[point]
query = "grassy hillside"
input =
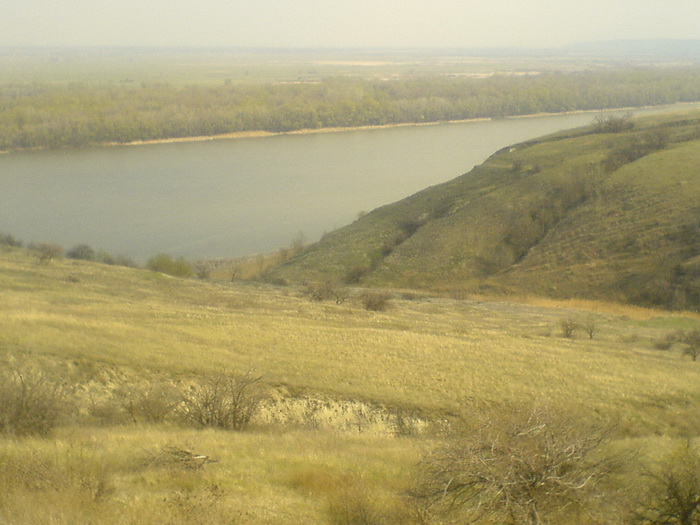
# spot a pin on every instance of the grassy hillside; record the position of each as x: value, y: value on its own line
x: 342, y: 379
x: 608, y: 212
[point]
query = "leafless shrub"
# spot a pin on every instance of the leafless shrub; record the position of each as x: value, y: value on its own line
x: 376, y: 301
x: 673, y: 493
x: 327, y: 291
x: 403, y: 424
x: 568, y: 327
x: 667, y: 342
x: 224, y: 401
x: 613, y: 123
x: 46, y: 252
x: 74, y: 470
x: 31, y: 401
x: 691, y: 340
x: 154, y: 403
x: 8, y: 240
x: 522, y: 468
x: 589, y: 326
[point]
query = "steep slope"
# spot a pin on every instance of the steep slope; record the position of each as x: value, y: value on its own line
x: 608, y: 211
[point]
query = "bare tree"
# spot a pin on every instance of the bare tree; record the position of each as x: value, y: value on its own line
x: 568, y: 327
x: 589, y: 327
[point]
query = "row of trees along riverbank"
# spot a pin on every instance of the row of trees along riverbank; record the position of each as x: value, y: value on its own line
x: 70, y: 115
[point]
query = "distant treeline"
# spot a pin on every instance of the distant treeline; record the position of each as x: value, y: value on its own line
x: 54, y: 116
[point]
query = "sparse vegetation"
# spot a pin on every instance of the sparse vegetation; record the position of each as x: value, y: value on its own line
x: 32, y: 401
x: 138, y: 427
x: 8, y: 240
x: 516, y: 468
x: 327, y: 291
x: 583, y: 213
x: 82, y: 251
x: 47, y: 252
x: 691, y: 340
x: 568, y: 327
x: 225, y: 401
x: 613, y: 123
x: 376, y: 301
x: 127, y: 449
x: 168, y: 265
x: 673, y: 492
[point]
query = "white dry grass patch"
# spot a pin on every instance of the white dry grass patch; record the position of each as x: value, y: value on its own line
x: 344, y: 416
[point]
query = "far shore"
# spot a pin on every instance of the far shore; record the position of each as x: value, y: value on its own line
x: 260, y: 134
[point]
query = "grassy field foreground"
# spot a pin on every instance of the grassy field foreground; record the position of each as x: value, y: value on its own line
x: 105, y: 329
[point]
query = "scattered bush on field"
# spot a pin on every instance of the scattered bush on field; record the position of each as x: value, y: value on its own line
x: 46, y: 252
x: 327, y: 291
x: 8, y: 240
x: 202, y: 270
x: 153, y: 403
x: 74, y: 473
x: 516, y: 467
x: 673, y: 492
x: 224, y: 401
x: 352, y: 502
x: 666, y: 343
x: 115, y: 260
x: 691, y: 340
x: 31, y: 402
x: 81, y: 251
x: 354, y: 275
x: 166, y: 264
x: 568, y: 327
x: 589, y: 326
x: 376, y: 301
x: 613, y: 123
x: 199, y: 507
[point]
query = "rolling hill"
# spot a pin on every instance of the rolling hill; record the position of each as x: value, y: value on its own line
x: 609, y: 211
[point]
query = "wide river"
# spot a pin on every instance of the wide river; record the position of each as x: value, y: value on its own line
x: 233, y: 197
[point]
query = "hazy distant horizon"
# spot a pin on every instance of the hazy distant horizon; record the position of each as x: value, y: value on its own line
x: 343, y: 24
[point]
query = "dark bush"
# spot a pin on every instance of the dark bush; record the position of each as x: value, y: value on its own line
x: 355, y: 275
x: 376, y: 301
x: 673, y: 491
x: 8, y: 240
x: 81, y: 251
x: 613, y: 123
x: 327, y: 291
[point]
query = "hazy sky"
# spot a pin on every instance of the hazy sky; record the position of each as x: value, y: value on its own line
x: 342, y: 23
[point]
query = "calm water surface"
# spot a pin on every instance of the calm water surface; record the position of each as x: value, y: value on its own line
x: 228, y: 198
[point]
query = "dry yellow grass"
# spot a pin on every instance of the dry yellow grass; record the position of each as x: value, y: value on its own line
x: 432, y: 356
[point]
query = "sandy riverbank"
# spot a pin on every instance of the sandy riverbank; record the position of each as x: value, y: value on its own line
x: 256, y: 134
